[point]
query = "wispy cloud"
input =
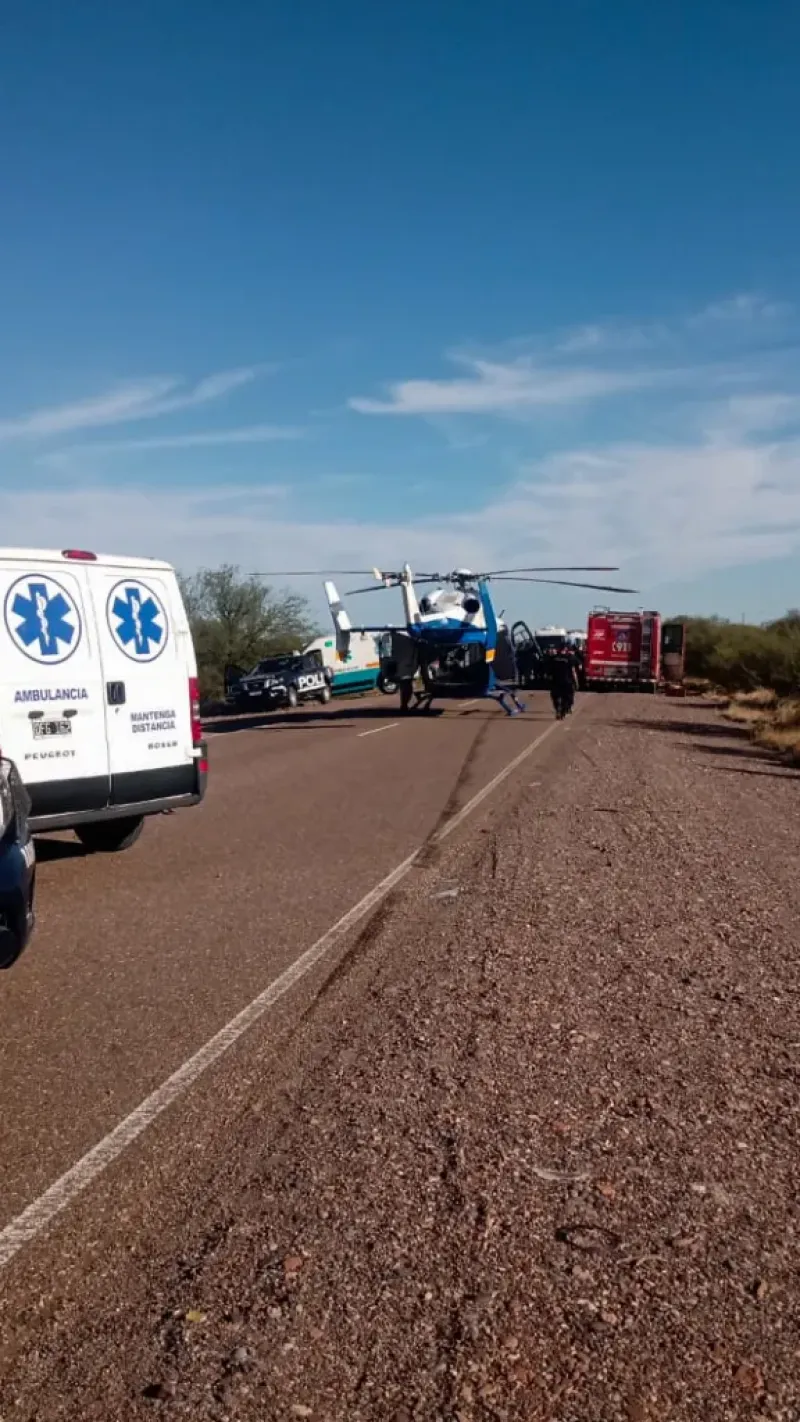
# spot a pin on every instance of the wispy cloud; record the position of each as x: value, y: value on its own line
x: 590, y: 363
x: 493, y: 387
x: 745, y: 306
x: 245, y: 434
x: 202, y: 439
x: 666, y: 511
x: 124, y: 403
x: 709, y: 479
x: 752, y: 416
x: 743, y: 314
x: 616, y: 338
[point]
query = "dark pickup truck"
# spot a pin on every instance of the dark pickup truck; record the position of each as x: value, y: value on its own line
x: 282, y: 681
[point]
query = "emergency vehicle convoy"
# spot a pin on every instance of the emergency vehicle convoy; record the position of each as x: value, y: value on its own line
x: 99, y: 706
x: 99, y: 698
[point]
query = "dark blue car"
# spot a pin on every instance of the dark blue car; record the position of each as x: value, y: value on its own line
x: 17, y: 866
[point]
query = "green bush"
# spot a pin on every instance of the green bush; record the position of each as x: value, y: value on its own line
x: 741, y: 656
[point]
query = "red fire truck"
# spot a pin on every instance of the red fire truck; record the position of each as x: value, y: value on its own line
x: 623, y: 650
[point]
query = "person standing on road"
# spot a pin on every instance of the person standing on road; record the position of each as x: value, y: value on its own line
x: 563, y: 681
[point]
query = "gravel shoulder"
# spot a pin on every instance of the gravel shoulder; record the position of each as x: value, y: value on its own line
x: 531, y: 1151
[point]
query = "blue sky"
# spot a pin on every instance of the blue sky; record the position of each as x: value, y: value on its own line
x: 463, y: 284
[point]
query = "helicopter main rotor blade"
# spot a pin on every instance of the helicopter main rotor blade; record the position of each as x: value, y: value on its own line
x: 583, y: 568
x: 383, y: 587
x: 348, y: 573
x: 374, y: 587
x: 567, y: 583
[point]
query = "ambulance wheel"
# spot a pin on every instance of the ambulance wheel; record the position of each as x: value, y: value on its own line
x: 291, y: 697
x: 109, y: 836
x: 325, y: 695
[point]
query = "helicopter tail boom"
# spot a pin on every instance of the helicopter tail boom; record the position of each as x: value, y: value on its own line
x: 341, y: 620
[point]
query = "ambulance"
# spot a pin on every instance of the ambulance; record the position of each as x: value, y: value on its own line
x: 358, y: 669
x: 99, y: 706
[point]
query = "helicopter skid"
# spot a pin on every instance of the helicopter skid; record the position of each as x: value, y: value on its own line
x: 423, y: 701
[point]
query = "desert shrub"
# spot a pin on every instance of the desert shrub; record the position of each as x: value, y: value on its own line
x: 743, y: 657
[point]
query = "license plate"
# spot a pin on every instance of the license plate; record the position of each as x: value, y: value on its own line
x: 44, y: 729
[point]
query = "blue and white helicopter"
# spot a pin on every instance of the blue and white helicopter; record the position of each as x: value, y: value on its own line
x: 454, y: 645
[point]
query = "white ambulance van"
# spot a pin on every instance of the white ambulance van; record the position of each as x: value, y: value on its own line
x: 99, y: 704
x: 356, y: 670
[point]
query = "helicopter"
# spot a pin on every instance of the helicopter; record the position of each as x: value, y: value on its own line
x: 453, y: 641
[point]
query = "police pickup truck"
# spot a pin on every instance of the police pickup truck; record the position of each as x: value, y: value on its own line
x: 283, y: 681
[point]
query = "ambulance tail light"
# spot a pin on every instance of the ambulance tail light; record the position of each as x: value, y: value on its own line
x: 79, y: 555
x: 194, y: 711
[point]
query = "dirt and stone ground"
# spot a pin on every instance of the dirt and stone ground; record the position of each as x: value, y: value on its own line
x: 528, y: 1149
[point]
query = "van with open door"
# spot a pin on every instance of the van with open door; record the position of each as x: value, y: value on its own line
x: 99, y: 705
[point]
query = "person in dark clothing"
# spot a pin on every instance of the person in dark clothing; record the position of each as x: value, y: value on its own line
x: 563, y: 681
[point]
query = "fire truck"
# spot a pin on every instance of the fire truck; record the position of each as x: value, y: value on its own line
x: 623, y: 650
x: 633, y: 651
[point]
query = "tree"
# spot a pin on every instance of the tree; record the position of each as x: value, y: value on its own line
x: 703, y: 635
x: 788, y: 625
x: 237, y: 620
x: 739, y: 656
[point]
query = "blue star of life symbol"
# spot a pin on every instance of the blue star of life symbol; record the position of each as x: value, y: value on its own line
x: 138, y: 628
x: 43, y: 629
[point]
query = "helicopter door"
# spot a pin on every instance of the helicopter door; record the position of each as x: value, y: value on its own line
x: 521, y: 635
x: 505, y: 668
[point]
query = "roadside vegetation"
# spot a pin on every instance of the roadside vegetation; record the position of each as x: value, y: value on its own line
x: 236, y: 620
x: 758, y: 668
x: 740, y: 657
x: 772, y: 722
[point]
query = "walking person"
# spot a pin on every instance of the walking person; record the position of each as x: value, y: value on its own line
x: 563, y: 681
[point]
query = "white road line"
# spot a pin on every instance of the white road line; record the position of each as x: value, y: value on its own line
x: 38, y: 1215
x: 266, y: 726
x: 377, y: 730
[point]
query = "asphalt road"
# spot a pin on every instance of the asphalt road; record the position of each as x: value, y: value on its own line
x: 141, y: 957
x: 523, y: 1144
